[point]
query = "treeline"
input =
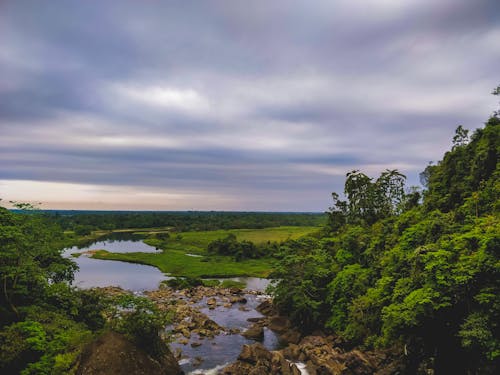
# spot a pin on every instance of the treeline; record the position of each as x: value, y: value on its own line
x: 414, y: 271
x: 84, y: 222
x: 241, y: 250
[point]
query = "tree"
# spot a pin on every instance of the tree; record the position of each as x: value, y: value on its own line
x: 360, y: 192
x: 368, y: 201
x: 461, y: 137
x: 337, y: 214
x: 390, y: 193
x: 30, y: 259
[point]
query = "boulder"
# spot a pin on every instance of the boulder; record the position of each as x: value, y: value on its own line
x: 279, y: 324
x: 323, y: 357
x: 254, y: 332
x: 238, y: 299
x: 291, y: 336
x: 255, y: 353
x: 266, y: 308
x: 257, y: 360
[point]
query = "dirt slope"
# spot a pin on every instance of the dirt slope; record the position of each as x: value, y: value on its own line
x: 113, y: 354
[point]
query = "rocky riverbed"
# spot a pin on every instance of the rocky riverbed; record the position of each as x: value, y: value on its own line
x: 235, y: 332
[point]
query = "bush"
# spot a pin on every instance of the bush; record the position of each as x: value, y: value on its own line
x: 184, y: 282
x: 141, y: 321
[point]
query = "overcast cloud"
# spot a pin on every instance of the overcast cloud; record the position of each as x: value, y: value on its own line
x: 233, y: 105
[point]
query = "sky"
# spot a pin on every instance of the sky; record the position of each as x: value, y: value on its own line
x: 233, y: 105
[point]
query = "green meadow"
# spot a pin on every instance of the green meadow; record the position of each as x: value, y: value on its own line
x: 177, y: 258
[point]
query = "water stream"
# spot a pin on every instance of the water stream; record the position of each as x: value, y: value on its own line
x: 224, y: 348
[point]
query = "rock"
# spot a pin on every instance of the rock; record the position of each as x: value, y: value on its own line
x: 243, y: 308
x: 279, y: 365
x: 254, y: 332
x: 205, y: 333
x: 212, y: 301
x: 112, y: 353
x: 255, y: 353
x: 322, y: 357
x: 239, y: 299
x: 292, y: 336
x: 195, y: 344
x: 178, y: 354
x: 256, y: 320
x: 279, y: 324
x: 257, y: 360
x: 266, y: 308
x: 228, y: 305
x: 197, y: 361
x: 259, y: 370
x: 292, y: 351
x: 185, y: 332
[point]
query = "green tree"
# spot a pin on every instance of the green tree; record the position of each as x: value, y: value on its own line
x: 30, y: 259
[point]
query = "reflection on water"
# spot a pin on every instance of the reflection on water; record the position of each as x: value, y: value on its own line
x: 100, y: 273
x: 116, y: 243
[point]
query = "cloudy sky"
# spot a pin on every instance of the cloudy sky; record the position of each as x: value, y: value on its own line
x: 233, y: 105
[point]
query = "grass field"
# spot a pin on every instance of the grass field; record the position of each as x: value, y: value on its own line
x: 175, y: 261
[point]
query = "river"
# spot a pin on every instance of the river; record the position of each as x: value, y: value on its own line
x: 212, y: 354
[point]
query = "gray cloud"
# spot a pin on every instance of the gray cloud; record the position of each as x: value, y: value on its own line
x: 268, y: 104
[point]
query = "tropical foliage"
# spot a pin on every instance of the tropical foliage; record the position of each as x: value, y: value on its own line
x: 392, y: 271
x: 44, y: 322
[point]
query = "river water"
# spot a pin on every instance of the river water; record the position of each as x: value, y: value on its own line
x: 101, y: 273
x: 212, y: 354
x: 223, y: 349
x: 131, y: 276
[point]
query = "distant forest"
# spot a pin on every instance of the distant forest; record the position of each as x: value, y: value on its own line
x: 84, y: 222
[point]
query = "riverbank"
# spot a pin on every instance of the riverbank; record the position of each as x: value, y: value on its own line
x: 185, y: 254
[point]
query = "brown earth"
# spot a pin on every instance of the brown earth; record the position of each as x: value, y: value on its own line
x: 112, y: 353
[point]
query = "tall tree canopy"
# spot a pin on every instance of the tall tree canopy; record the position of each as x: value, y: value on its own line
x: 421, y: 278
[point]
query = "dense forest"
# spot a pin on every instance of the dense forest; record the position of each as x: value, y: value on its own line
x: 83, y: 222
x: 413, y: 270
x: 44, y: 322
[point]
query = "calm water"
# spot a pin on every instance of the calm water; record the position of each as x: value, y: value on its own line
x: 135, y: 277
x: 116, y: 243
x: 100, y: 273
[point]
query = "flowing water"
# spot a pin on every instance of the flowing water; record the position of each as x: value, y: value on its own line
x: 224, y: 348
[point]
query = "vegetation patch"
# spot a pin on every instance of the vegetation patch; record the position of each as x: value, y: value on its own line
x: 175, y: 261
